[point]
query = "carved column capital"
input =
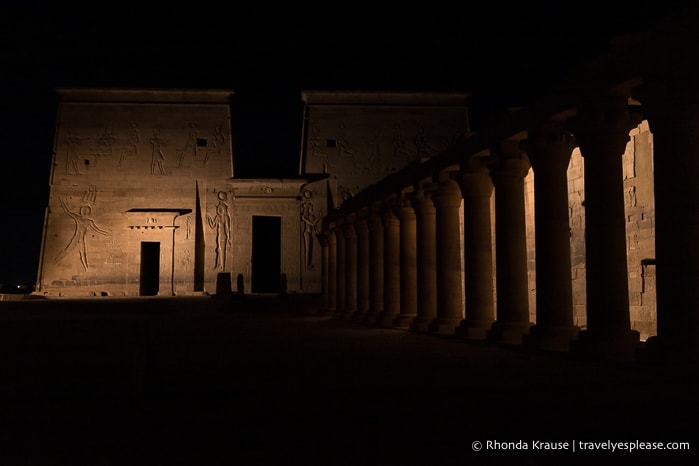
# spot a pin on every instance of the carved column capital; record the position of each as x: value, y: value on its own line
x: 604, y: 122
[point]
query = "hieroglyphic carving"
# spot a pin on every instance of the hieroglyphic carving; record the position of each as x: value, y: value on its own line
x: 83, y: 224
x: 158, y: 156
x: 309, y: 224
x: 186, y: 259
x: 221, y: 222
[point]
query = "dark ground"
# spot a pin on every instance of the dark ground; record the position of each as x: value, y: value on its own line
x: 269, y: 381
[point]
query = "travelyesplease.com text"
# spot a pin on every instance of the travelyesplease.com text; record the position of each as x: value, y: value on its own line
x: 577, y: 445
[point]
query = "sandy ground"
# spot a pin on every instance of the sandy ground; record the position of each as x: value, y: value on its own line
x: 270, y: 381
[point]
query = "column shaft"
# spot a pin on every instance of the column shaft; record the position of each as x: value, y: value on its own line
x: 602, y: 132
x: 350, y: 236
x: 426, y: 219
x: 447, y: 200
x: 391, y: 300
x: 477, y: 188
x: 408, y: 265
x: 508, y: 170
x: 376, y: 245
x: 549, y: 149
x: 363, y: 261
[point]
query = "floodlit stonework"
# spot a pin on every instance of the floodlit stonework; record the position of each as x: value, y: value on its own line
x: 144, y: 201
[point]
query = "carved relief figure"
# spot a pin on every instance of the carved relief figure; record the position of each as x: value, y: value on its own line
x: 309, y: 225
x: 190, y: 145
x: 317, y: 148
x: 83, y: 224
x: 221, y: 222
x: 374, y: 150
x: 422, y: 146
x: 132, y: 145
x: 399, y: 145
x: 343, y: 146
x: 158, y: 156
x: 217, y: 144
x: 72, y: 156
x: 105, y: 143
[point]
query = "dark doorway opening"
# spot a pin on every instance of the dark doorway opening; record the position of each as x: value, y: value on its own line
x: 266, y: 254
x: 150, y: 268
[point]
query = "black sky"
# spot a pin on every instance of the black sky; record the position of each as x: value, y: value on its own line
x: 503, y: 54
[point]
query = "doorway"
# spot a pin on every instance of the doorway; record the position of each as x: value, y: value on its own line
x: 266, y: 254
x: 150, y: 268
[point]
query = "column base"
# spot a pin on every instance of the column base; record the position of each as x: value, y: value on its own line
x: 444, y: 325
x: 371, y: 318
x: 358, y: 316
x: 476, y: 330
x: 552, y: 338
x: 421, y: 324
x: 508, y: 333
x: 348, y: 315
x: 678, y: 357
x: 403, y: 320
x: 386, y: 319
x: 616, y: 346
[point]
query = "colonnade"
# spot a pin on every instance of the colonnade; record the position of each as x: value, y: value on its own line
x: 392, y: 254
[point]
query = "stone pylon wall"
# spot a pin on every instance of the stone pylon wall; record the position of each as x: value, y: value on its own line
x: 138, y: 174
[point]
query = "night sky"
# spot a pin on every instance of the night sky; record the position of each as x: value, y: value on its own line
x: 503, y: 55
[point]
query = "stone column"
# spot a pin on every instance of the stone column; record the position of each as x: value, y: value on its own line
x: 376, y: 244
x: 350, y: 236
x: 672, y: 107
x: 325, y: 249
x: 447, y: 201
x: 391, y: 273
x: 332, y: 269
x: 477, y: 189
x: 341, y: 267
x: 601, y: 129
x: 426, y: 219
x: 549, y: 148
x: 408, y: 263
x: 508, y: 169
x: 363, y: 261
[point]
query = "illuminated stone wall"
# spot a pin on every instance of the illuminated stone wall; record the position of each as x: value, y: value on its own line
x: 133, y: 167
x: 352, y: 140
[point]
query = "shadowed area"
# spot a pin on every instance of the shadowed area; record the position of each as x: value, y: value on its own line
x: 270, y: 381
